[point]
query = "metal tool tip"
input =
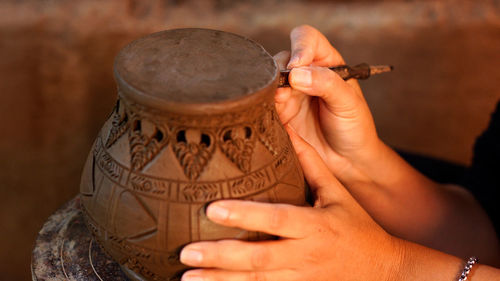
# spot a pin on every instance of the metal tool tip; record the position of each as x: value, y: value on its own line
x: 377, y: 69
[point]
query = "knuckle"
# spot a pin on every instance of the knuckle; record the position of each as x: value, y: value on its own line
x: 302, y: 37
x: 315, y: 219
x: 324, y: 224
x: 278, y: 218
x: 260, y: 257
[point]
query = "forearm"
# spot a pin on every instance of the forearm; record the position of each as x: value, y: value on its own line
x: 410, y: 205
x: 401, y: 192
x: 394, y: 192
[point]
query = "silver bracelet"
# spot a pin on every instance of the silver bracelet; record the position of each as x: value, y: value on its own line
x: 468, y: 266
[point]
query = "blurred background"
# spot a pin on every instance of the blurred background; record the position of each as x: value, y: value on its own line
x: 57, y: 88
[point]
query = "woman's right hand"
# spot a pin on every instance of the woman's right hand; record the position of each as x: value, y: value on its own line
x: 332, y: 115
x: 329, y: 113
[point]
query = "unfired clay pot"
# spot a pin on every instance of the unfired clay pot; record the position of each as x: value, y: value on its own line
x: 194, y: 122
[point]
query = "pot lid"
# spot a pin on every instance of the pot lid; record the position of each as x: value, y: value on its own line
x: 193, y: 66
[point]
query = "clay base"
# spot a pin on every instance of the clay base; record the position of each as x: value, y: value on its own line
x: 132, y: 275
x: 66, y: 250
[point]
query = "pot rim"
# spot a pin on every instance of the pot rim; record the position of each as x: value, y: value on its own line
x: 131, y: 93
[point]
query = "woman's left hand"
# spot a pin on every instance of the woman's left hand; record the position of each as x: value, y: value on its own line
x: 334, y: 240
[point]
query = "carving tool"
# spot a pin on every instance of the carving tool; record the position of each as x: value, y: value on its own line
x: 360, y: 71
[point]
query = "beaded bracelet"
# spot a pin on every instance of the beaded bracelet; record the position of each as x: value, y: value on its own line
x: 468, y: 266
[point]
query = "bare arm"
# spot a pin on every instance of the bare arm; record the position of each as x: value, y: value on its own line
x: 411, y: 206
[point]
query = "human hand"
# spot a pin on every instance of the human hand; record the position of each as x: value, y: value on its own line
x: 335, y: 240
x: 332, y: 115
x: 329, y: 113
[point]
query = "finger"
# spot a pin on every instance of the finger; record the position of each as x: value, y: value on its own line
x: 223, y: 275
x: 282, y: 95
x: 282, y: 59
x: 276, y: 219
x: 327, y: 188
x: 241, y: 255
x: 309, y: 46
x: 340, y: 98
x: 289, y: 104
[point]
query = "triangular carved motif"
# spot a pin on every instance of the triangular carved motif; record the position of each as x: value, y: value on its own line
x: 268, y: 131
x: 119, y: 126
x: 193, y: 155
x: 143, y: 148
x: 132, y: 219
x: 238, y: 143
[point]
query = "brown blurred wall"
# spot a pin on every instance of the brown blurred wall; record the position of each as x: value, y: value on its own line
x: 56, y: 84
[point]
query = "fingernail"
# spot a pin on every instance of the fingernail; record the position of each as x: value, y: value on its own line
x: 191, y: 257
x: 301, y: 77
x: 217, y: 213
x: 189, y: 277
x: 293, y: 61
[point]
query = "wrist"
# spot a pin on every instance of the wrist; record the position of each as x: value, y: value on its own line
x: 369, y: 161
x: 397, y: 260
x: 413, y: 262
x: 385, y: 168
x: 419, y: 263
x: 356, y: 169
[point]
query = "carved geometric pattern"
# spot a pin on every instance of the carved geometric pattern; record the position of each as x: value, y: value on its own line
x: 109, y: 166
x: 145, y: 184
x: 237, y: 143
x: 216, y: 120
x: 137, y: 225
x: 131, y: 246
x: 193, y: 149
x: 158, y: 187
x: 144, y: 148
x: 268, y: 131
x: 200, y: 192
x: 119, y: 125
x: 249, y: 184
x: 194, y: 141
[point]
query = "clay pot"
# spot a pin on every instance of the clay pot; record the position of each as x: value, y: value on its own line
x: 194, y: 122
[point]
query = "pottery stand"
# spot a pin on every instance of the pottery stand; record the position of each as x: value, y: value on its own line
x: 66, y: 250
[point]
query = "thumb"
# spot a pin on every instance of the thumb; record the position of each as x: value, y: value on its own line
x: 339, y: 97
x: 327, y: 189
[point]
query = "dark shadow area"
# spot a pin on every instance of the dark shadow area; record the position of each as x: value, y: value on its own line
x: 439, y: 170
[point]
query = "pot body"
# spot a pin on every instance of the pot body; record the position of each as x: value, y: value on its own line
x: 154, y: 167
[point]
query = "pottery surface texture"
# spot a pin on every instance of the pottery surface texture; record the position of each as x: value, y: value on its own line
x: 194, y: 123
